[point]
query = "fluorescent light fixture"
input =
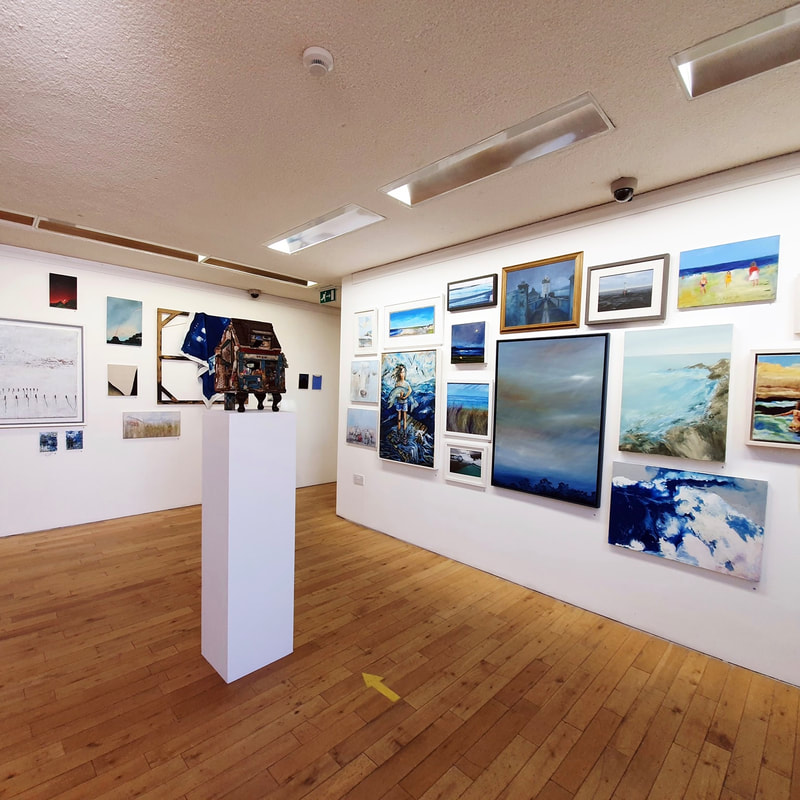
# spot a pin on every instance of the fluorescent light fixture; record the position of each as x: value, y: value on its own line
x: 570, y: 122
x: 337, y: 223
x: 757, y: 47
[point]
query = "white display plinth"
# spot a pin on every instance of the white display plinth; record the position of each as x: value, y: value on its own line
x: 247, y: 618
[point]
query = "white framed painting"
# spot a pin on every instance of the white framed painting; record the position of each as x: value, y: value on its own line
x: 365, y: 380
x: 469, y: 409
x: 413, y: 325
x: 466, y: 463
x: 365, y: 341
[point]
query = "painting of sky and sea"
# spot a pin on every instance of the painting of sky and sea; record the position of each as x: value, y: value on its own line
x: 715, y: 522
x: 468, y: 409
x: 468, y: 343
x: 739, y: 272
x: 412, y: 321
x: 473, y: 293
x: 675, y: 392
x: 775, y: 418
x: 549, y: 412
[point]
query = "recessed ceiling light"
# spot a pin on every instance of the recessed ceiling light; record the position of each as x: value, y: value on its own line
x: 757, y: 47
x: 337, y: 223
x: 570, y: 122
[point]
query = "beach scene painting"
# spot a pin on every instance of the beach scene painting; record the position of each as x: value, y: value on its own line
x: 124, y: 321
x: 775, y: 415
x: 362, y: 427
x: 739, y: 272
x: 472, y: 293
x: 417, y: 321
x: 715, y: 522
x: 468, y: 409
x: 675, y: 392
x: 468, y: 343
x: 466, y: 464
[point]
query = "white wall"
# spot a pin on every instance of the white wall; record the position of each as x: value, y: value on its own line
x: 112, y: 477
x: 559, y: 548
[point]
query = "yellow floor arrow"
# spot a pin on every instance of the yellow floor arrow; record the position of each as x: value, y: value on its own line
x: 376, y: 682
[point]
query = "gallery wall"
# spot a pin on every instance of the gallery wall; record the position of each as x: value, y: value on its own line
x: 561, y: 548
x: 112, y: 477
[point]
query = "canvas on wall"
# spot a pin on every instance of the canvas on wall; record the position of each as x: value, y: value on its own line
x: 408, y: 407
x: 468, y: 343
x: 151, y: 424
x: 124, y: 321
x: 549, y: 416
x: 472, y: 293
x: 775, y: 407
x: 123, y: 380
x: 364, y: 380
x: 675, y: 392
x: 63, y: 291
x: 711, y: 521
x: 362, y: 427
x: 468, y: 408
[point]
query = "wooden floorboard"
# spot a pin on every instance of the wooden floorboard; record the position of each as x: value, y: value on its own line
x: 504, y: 693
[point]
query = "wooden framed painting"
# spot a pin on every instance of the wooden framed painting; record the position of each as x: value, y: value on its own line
x: 775, y: 399
x: 478, y: 292
x: 415, y: 324
x: 542, y: 294
x: 468, y: 343
x: 366, y: 332
x: 627, y: 291
x: 549, y: 416
x: 466, y: 463
x: 362, y: 427
x: 469, y: 409
x: 42, y: 373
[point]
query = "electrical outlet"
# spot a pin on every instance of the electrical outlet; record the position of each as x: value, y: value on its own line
x: 358, y: 480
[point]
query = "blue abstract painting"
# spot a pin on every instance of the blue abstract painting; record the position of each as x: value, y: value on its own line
x: 468, y: 343
x: 408, y: 407
x: 711, y: 521
x: 549, y: 414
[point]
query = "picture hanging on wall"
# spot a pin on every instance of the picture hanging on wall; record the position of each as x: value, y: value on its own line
x: 151, y: 424
x: 466, y: 463
x: 366, y: 332
x: 469, y: 408
x: 711, y: 521
x: 123, y: 380
x: 415, y: 324
x: 468, y: 343
x: 627, y: 291
x: 775, y: 406
x: 472, y: 293
x: 41, y: 382
x: 549, y: 416
x: 675, y: 392
x: 739, y: 272
x: 74, y: 439
x: 542, y: 294
x: 408, y: 407
x: 364, y: 380
x: 362, y: 427
x: 63, y: 291
x: 124, y: 321
x: 48, y: 441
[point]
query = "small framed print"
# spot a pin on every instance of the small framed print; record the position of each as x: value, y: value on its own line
x: 414, y: 324
x: 627, y: 291
x: 366, y: 332
x: 472, y: 293
x: 466, y: 463
x: 775, y: 399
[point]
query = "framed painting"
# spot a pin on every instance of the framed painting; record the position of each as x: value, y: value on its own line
x: 675, y: 392
x: 364, y: 380
x: 63, y: 291
x: 715, y: 522
x: 468, y: 343
x: 549, y: 415
x: 775, y: 399
x: 123, y: 321
x: 362, y: 427
x: 466, y: 463
x: 469, y: 408
x: 627, y: 291
x: 478, y: 292
x: 542, y: 294
x: 415, y: 324
x: 738, y: 272
x: 408, y: 407
x: 42, y: 374
x: 366, y: 332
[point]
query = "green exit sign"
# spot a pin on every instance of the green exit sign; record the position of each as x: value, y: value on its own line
x: 327, y: 295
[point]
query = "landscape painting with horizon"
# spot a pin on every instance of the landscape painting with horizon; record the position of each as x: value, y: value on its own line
x: 468, y: 343
x: 675, y: 392
x: 468, y: 408
x: 124, y: 321
x: 775, y: 416
x: 63, y: 291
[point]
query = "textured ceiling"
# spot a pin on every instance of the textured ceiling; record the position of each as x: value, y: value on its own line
x: 193, y: 124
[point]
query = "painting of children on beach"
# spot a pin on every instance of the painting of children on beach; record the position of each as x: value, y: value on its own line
x: 775, y: 416
x: 739, y: 272
x: 408, y: 407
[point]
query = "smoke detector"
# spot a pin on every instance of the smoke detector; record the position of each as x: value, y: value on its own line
x: 318, y: 61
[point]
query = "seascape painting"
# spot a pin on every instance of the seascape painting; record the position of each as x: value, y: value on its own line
x: 362, y: 427
x: 63, y: 291
x: 549, y: 415
x: 675, y: 392
x: 775, y: 415
x: 468, y: 409
x: 715, y: 522
x: 473, y: 293
x: 468, y: 343
x: 408, y: 407
x: 151, y: 424
x: 416, y: 321
x: 627, y: 291
x: 466, y: 464
x: 124, y: 321
x: 739, y: 272
x: 365, y: 341
x: 364, y: 381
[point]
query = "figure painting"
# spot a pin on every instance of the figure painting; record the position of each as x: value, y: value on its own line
x: 408, y: 407
x: 468, y: 343
x: 675, y: 392
x: 711, y: 521
x: 739, y: 272
x: 775, y: 416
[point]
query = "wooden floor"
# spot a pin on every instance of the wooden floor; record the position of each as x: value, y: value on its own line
x: 504, y: 693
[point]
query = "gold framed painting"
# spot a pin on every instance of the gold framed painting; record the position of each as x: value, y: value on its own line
x: 542, y: 294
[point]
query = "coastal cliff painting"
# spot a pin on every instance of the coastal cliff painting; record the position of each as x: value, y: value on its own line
x: 775, y: 416
x: 675, y: 392
x: 715, y: 522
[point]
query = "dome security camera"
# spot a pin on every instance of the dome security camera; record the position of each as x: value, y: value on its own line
x: 623, y: 189
x: 254, y: 293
